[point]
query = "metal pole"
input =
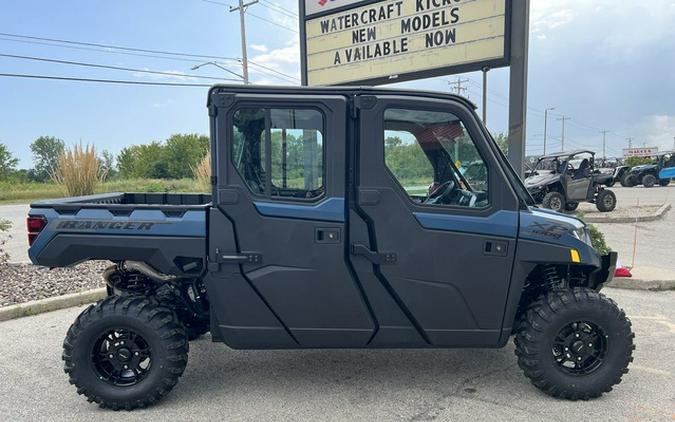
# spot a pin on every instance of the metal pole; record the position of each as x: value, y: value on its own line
x: 563, y: 119
x: 242, y: 27
x: 604, y: 144
x: 520, y: 28
x: 485, y: 89
x: 545, y: 127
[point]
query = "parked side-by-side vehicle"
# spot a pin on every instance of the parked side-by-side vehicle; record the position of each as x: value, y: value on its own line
x: 338, y: 218
x: 661, y: 171
x: 561, y: 181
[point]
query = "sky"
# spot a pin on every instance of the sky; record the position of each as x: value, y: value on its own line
x: 606, y: 64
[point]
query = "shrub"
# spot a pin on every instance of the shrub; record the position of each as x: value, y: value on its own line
x: 79, y: 171
x: 598, y: 240
x: 203, y: 173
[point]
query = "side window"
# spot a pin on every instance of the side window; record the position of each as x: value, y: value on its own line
x: 279, y: 152
x: 434, y: 159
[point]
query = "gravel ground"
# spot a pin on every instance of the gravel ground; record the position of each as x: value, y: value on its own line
x: 25, y: 282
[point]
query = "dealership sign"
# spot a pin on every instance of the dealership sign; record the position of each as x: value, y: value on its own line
x: 348, y: 41
x: 640, y: 152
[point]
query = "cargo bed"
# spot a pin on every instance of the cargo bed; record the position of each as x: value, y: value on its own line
x: 165, y: 230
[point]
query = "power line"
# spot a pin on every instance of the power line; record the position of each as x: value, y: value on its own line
x: 175, y: 55
x: 274, y: 70
x: 279, y: 9
x: 103, y: 66
x: 106, y: 81
x: 116, y: 47
x: 270, y: 21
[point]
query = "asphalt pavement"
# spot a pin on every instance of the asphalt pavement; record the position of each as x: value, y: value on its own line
x: 344, y: 385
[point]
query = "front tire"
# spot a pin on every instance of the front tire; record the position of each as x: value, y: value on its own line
x: 554, y: 201
x: 605, y: 201
x: 574, y: 343
x: 125, y: 352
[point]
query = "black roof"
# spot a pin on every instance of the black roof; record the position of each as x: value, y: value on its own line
x: 567, y: 153
x: 334, y: 90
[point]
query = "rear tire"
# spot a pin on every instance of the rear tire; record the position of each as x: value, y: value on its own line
x: 571, y: 206
x: 554, y: 201
x: 574, y: 344
x: 125, y: 352
x: 610, y: 183
x: 649, y: 181
x: 627, y: 181
x: 664, y: 182
x: 605, y: 201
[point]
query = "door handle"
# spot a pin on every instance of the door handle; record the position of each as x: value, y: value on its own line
x: 376, y: 258
x: 495, y: 248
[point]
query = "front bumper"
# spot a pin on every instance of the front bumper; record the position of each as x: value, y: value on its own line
x: 605, y: 273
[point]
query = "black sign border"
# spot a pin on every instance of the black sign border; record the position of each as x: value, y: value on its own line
x: 421, y: 74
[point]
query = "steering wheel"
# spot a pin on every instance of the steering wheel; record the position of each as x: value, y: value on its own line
x: 448, y: 194
x: 441, y: 191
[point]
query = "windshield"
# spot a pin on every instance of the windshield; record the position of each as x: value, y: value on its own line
x: 552, y: 164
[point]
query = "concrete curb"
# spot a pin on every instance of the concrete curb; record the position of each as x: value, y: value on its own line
x: 51, y: 304
x: 607, y: 217
x: 637, y: 284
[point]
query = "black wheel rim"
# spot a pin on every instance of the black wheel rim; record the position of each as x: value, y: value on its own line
x: 121, y: 357
x: 556, y: 204
x: 580, y: 348
x: 608, y: 201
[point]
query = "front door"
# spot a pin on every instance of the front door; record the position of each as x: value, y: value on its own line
x: 578, y: 179
x: 281, y: 184
x: 435, y: 219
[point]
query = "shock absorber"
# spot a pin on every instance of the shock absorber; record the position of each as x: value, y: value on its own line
x: 551, y: 275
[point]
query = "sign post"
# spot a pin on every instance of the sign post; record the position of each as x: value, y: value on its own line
x: 520, y: 24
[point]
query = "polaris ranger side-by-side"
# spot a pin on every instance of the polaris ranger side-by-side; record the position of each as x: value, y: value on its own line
x: 339, y: 218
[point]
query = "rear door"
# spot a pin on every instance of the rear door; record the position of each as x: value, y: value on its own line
x: 441, y: 243
x: 281, y: 183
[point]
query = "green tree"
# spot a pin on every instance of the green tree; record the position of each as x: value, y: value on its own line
x: 502, y: 141
x: 143, y: 161
x: 637, y: 161
x: 183, y: 152
x: 7, y: 163
x: 46, y: 151
x: 107, y: 160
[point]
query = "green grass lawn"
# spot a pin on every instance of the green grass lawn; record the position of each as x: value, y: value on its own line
x: 26, y: 192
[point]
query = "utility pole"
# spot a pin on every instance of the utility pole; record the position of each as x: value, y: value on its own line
x: 604, y: 144
x: 563, y: 119
x: 630, y: 142
x: 458, y: 86
x: 242, y: 26
x: 485, y: 90
x: 546, y: 125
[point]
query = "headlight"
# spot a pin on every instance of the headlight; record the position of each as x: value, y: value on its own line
x: 582, y: 234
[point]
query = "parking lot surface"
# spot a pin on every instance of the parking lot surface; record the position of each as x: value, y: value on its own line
x: 339, y: 385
